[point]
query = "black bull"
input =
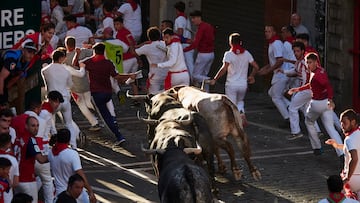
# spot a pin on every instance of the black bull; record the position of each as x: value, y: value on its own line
x: 171, y: 125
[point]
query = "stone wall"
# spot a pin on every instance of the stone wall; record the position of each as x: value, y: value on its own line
x: 339, y: 40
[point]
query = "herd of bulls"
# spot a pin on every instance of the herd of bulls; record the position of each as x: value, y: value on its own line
x: 186, y: 127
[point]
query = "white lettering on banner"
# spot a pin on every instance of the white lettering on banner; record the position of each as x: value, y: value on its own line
x: 12, y: 18
x: 7, y: 39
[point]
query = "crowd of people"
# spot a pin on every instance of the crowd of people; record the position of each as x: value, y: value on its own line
x: 86, y: 55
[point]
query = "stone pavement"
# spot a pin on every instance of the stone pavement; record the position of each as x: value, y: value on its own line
x: 290, y: 171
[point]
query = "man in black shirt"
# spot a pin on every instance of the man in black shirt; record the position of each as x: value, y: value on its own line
x: 74, y: 189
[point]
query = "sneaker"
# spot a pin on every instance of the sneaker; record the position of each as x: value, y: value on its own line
x: 119, y: 142
x: 95, y: 127
x: 318, y: 152
x: 321, y: 134
x: 294, y: 136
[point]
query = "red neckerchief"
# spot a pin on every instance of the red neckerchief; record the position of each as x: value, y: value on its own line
x: 182, y: 14
x: 75, y: 25
x: 133, y: 4
x: 110, y: 15
x: 351, y: 132
x: 52, y: 7
x: 237, y: 49
x: 59, y: 147
x: 6, y: 152
x: 336, y: 197
x: 97, y: 58
x: 174, y: 39
x: 290, y: 39
x: 273, y: 38
x: 48, y: 107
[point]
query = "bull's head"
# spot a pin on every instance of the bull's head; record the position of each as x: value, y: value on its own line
x: 136, y: 97
x: 187, y: 150
x: 147, y: 120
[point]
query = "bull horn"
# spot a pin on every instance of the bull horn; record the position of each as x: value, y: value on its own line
x: 196, y: 151
x: 151, y: 151
x: 139, y: 97
x: 146, y: 120
x: 188, y: 121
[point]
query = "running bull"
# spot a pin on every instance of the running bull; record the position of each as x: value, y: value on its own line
x: 223, y: 118
x: 181, y: 180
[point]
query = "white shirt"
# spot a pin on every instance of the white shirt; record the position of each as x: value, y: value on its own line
x: 58, y: 78
x: 175, y: 55
x: 57, y: 15
x: 14, y: 171
x: 49, y: 122
x: 184, y: 23
x: 154, y: 53
x: 132, y: 19
x: 288, y: 53
x: 352, y: 143
x: 108, y: 22
x: 12, y: 133
x: 78, y: 6
x: 41, y: 131
x: 81, y: 34
x: 63, y: 166
x: 238, y: 68
x: 275, y: 50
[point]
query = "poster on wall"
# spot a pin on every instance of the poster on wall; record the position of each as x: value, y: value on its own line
x: 17, y: 19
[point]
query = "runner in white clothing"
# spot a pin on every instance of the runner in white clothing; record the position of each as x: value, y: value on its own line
x: 155, y: 52
x: 236, y: 64
x: 82, y: 34
x: 131, y: 13
x: 178, y: 73
x: 182, y: 27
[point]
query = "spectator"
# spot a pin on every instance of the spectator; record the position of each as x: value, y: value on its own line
x: 42, y: 170
x: 82, y: 34
x: 6, y: 116
x: 27, y: 151
x: 182, y: 28
x: 15, y: 67
x: 80, y: 90
x: 177, y: 71
x: 98, y: 14
x: 155, y: 52
x: 58, y: 78
x: 5, y: 186
x: 236, y: 64
x: 335, y: 186
x: 22, y: 198
x: 204, y: 44
x: 74, y: 189
x: 5, y: 152
x: 279, y: 79
x: 295, y: 22
x: 65, y: 162
x: 351, y: 172
x: 131, y: 13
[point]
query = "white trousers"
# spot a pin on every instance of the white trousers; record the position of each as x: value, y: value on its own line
x: 202, y: 66
x: 180, y: 79
x: 316, y: 109
x: 156, y: 86
x: 354, y: 183
x: 236, y: 94
x: 83, y: 101
x: 65, y: 109
x: 43, y: 171
x: 299, y: 101
x: 29, y: 188
x: 130, y: 65
x: 276, y: 92
x: 189, y: 60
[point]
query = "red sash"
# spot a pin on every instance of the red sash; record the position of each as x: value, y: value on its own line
x: 167, y: 82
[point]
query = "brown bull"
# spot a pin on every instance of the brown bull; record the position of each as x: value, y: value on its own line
x: 223, y: 119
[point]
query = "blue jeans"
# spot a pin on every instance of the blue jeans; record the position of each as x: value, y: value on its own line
x: 100, y: 101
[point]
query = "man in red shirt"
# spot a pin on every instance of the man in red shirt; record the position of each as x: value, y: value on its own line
x: 321, y: 104
x: 204, y: 44
x: 131, y: 62
x: 100, y: 70
x: 27, y: 151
